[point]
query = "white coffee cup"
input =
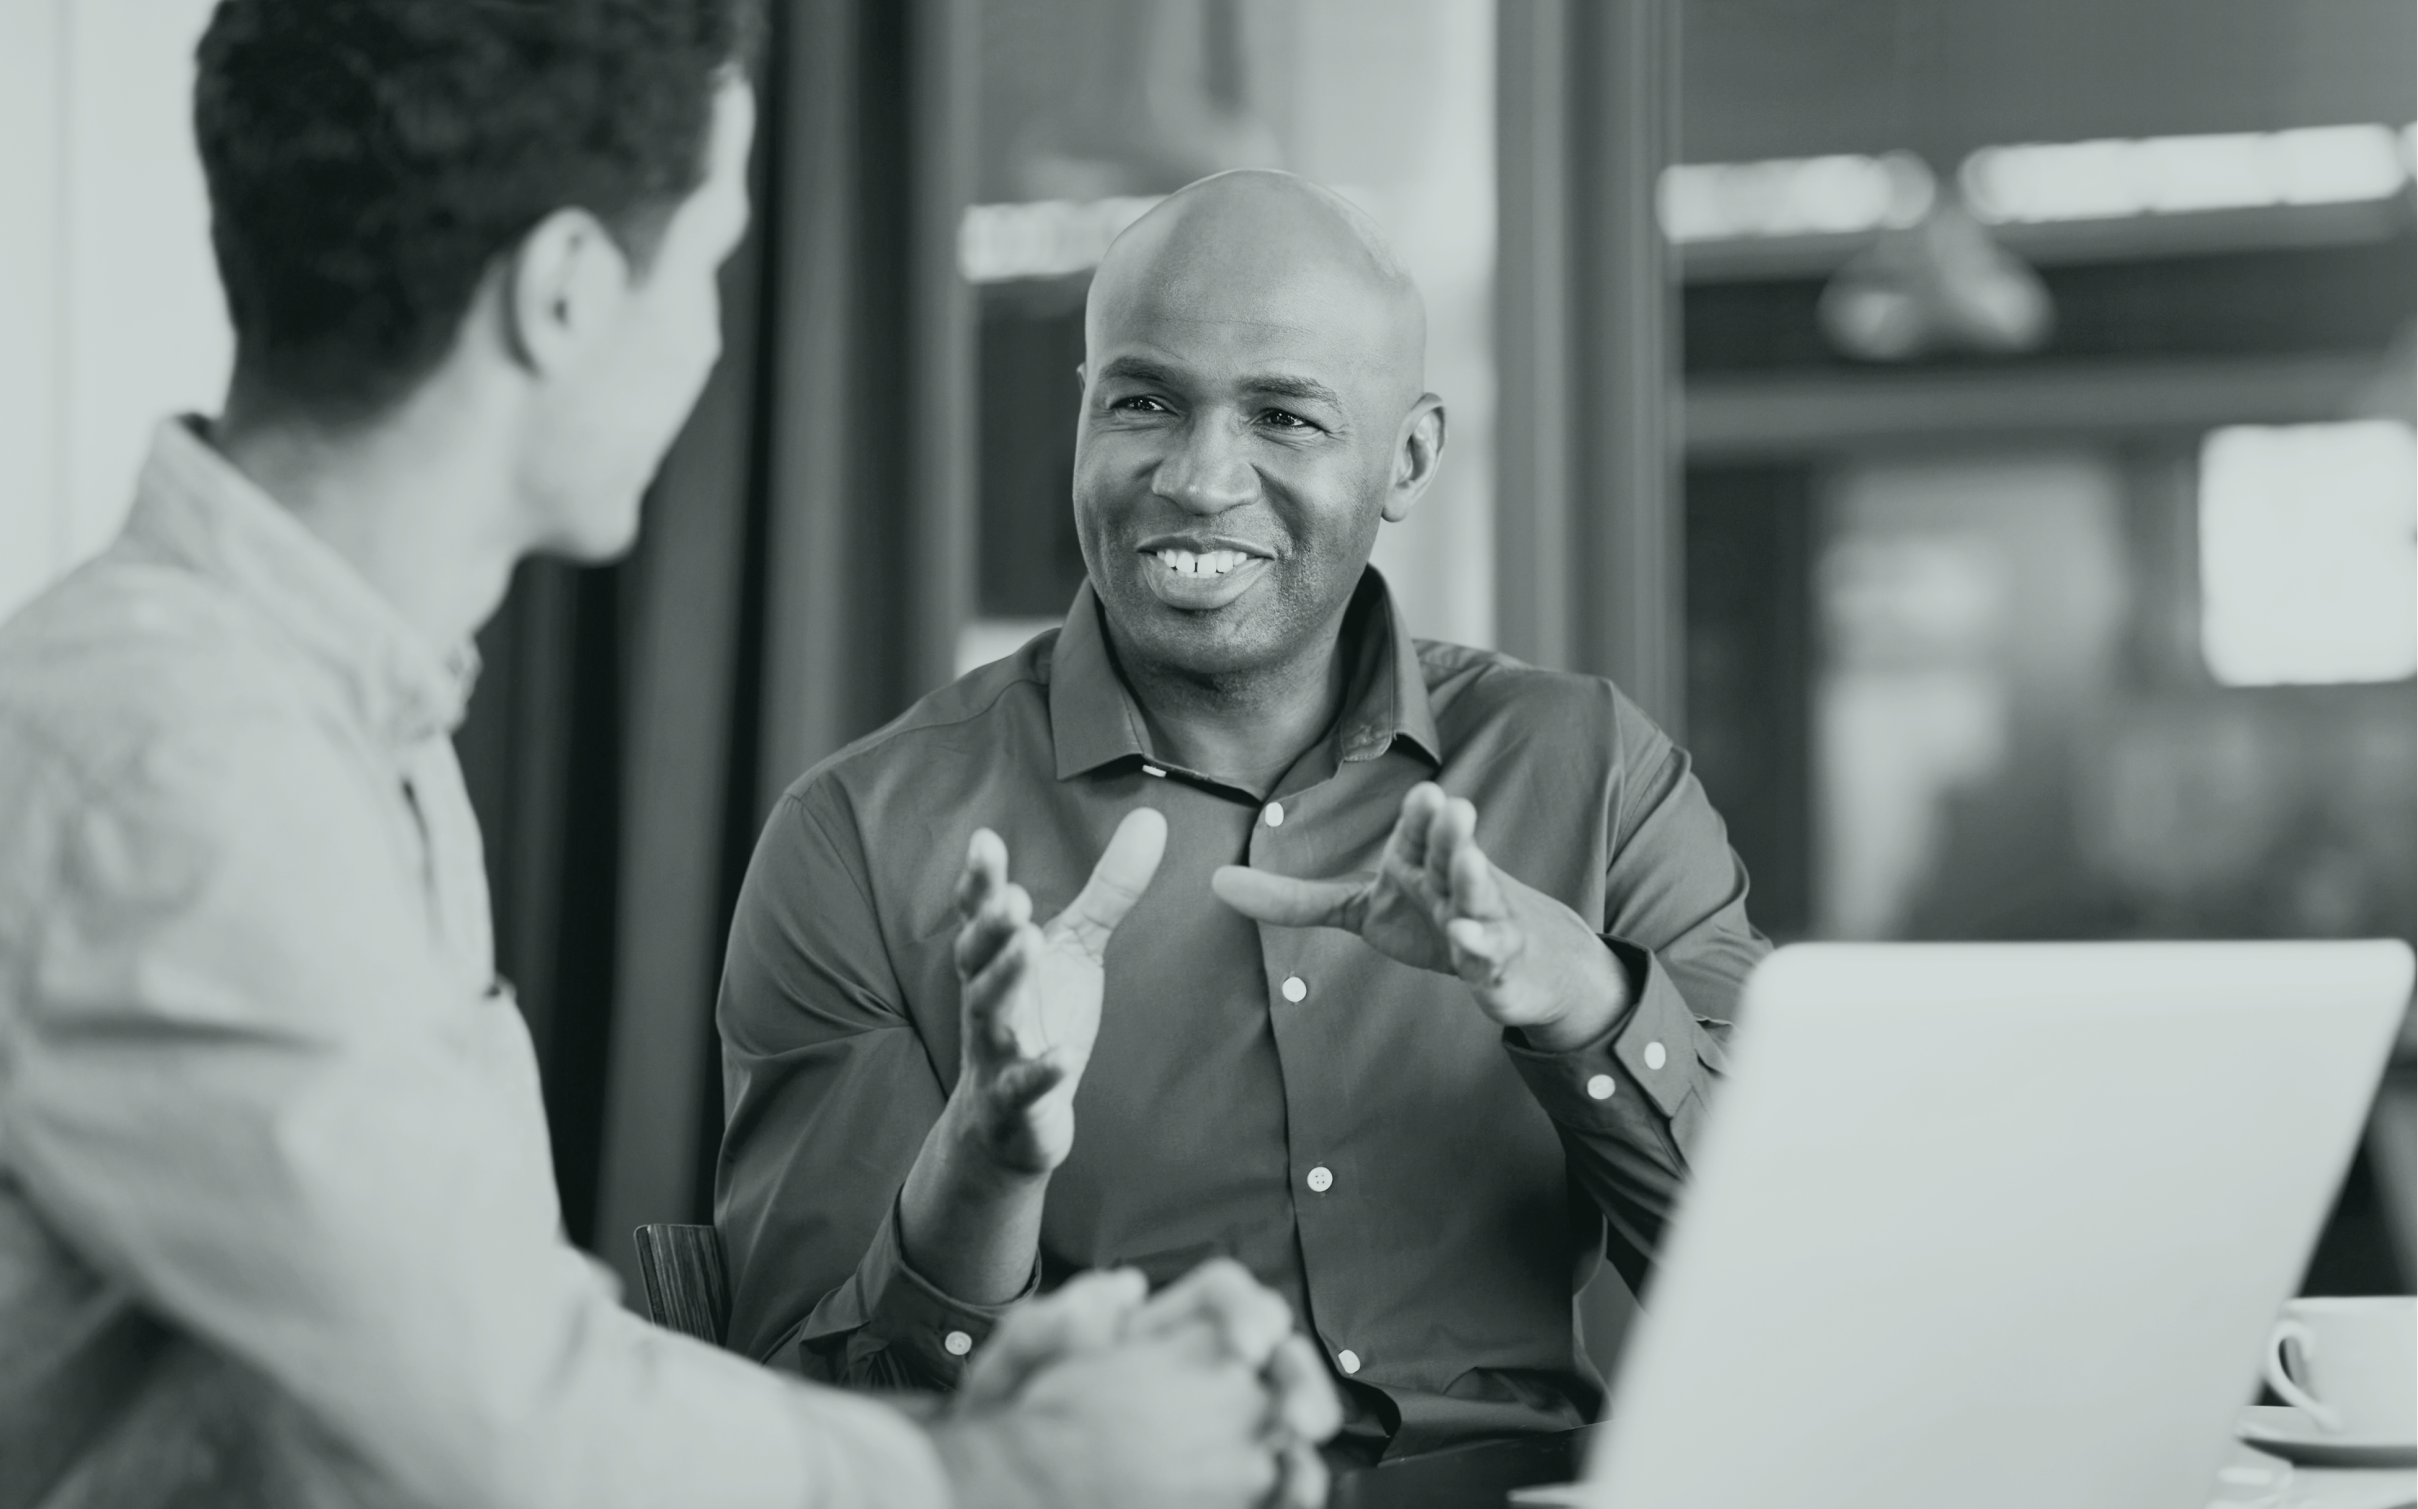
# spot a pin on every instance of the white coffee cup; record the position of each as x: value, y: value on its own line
x: 2350, y: 1364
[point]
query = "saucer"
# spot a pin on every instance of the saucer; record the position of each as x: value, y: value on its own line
x: 2292, y: 1435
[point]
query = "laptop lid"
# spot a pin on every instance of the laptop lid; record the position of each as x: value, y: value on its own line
x: 1996, y: 1224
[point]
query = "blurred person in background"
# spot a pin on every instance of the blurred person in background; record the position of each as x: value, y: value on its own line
x: 277, y: 1215
x: 1416, y: 1002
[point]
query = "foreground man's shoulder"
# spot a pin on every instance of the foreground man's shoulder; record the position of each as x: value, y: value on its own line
x: 123, y: 656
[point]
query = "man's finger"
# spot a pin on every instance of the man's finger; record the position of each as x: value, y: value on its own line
x: 990, y: 992
x: 1305, y: 1397
x: 1408, y: 846
x: 1474, y: 891
x: 1454, y: 828
x: 1286, y: 902
x: 988, y: 930
x: 985, y: 871
x: 1482, y: 950
x: 1116, y: 883
x: 1022, y: 1083
x: 1304, y: 1474
x: 1249, y: 1319
x: 1086, y: 1314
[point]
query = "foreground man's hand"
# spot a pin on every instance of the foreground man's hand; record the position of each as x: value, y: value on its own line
x: 1031, y: 995
x: 1204, y: 1395
x: 1436, y: 902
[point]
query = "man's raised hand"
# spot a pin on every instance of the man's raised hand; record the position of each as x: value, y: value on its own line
x: 1436, y: 902
x: 1031, y: 993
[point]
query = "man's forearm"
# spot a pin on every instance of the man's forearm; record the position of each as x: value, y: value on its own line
x: 968, y: 1226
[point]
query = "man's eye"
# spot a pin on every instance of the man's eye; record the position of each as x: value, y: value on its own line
x: 1284, y: 421
x: 1139, y: 403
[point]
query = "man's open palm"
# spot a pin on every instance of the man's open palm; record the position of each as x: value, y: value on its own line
x: 1436, y: 902
x: 1032, y: 994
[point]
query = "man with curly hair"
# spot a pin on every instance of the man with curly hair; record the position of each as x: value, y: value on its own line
x: 277, y: 1216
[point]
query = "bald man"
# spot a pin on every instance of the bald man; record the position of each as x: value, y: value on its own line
x: 1227, y: 918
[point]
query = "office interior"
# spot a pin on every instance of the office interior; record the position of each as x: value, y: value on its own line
x: 1981, y: 431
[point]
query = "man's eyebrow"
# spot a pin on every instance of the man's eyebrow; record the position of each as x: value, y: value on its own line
x: 1308, y: 389
x: 1140, y: 369
x: 1266, y: 384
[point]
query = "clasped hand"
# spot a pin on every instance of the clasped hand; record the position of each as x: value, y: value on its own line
x: 1436, y: 902
x: 1202, y: 1395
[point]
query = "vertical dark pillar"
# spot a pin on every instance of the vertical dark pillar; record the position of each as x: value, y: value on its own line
x: 946, y: 64
x: 1589, y: 551
x: 808, y: 558
x: 813, y: 286
x: 870, y: 416
x: 1534, y: 352
x: 682, y: 668
x: 1587, y: 545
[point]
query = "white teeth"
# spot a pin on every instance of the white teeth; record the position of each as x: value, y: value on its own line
x: 1203, y: 563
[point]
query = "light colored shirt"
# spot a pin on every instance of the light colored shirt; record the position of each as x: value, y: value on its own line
x: 278, y: 1222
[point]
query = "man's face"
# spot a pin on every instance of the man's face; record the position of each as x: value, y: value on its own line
x: 1232, y: 459
x: 606, y: 427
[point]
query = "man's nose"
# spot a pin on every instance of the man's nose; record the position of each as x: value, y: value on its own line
x: 1210, y: 472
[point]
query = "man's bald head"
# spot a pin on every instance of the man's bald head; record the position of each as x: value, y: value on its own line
x: 1253, y: 411
x: 1256, y: 242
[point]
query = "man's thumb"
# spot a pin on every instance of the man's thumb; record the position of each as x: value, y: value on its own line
x: 1117, y: 881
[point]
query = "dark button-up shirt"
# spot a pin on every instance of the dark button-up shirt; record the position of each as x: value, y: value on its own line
x: 1426, y: 1190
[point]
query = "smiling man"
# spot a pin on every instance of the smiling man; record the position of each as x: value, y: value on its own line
x: 1397, y: 975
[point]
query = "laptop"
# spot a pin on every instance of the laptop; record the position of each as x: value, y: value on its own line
x: 1995, y: 1225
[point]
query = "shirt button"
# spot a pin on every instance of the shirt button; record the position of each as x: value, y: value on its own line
x: 1600, y: 1087
x: 1322, y: 1179
x: 1274, y: 812
x: 1348, y: 1360
x: 957, y: 1343
x: 1294, y: 988
x: 1655, y: 1056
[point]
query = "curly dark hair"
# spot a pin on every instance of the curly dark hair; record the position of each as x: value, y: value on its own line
x: 368, y: 159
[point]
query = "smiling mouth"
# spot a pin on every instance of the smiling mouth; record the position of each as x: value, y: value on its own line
x: 1202, y: 565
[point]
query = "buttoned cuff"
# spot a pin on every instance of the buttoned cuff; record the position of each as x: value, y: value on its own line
x: 933, y: 1333
x: 1650, y: 1054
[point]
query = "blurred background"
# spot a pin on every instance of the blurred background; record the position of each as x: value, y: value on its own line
x: 1980, y: 429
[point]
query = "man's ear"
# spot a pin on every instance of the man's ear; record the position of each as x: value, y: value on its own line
x: 561, y: 286
x: 1418, y: 449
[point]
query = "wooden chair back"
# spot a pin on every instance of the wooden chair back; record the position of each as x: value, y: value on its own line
x: 681, y: 1270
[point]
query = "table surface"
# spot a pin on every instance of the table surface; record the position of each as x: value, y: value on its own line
x: 1482, y: 1477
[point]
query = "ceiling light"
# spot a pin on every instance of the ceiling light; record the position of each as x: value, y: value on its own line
x: 2167, y: 175
x: 1794, y: 196
x: 1046, y: 238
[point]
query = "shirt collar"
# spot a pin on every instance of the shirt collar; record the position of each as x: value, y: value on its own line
x: 1094, y: 722
x: 192, y: 505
